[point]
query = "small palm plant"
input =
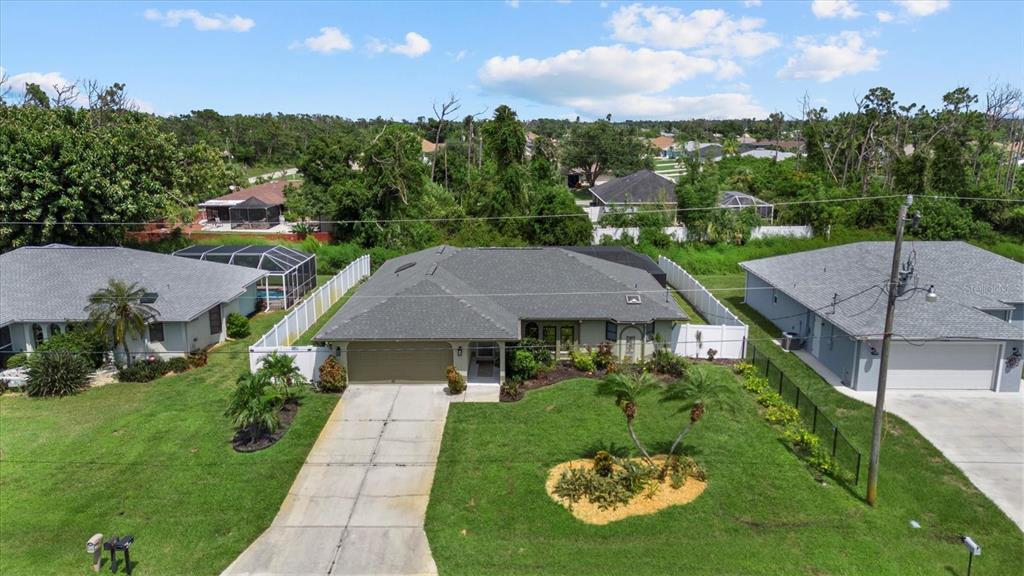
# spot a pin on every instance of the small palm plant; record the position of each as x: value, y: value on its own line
x: 627, y: 389
x: 283, y: 374
x: 254, y: 404
x: 692, y: 393
x: 118, y: 310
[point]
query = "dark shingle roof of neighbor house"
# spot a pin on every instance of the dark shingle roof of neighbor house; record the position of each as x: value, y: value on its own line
x: 642, y: 187
x: 967, y: 279
x: 446, y: 293
x: 53, y: 283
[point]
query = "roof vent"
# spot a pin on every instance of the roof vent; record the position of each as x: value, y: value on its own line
x: 633, y: 299
x: 149, y: 297
x: 432, y: 269
x: 405, y: 266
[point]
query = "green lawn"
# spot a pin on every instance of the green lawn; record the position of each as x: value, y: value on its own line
x: 151, y: 459
x: 762, y: 513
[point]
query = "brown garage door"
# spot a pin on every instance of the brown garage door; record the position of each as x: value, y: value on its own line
x: 402, y: 362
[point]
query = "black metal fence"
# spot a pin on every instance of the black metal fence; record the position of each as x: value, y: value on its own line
x: 843, y: 453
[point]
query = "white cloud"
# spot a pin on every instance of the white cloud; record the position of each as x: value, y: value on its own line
x: 844, y: 9
x: 707, y: 32
x: 840, y: 55
x: 751, y: 3
x: 413, y: 47
x: 458, y: 56
x: 728, y: 69
x: 512, y: 3
x: 328, y: 41
x: 615, y: 79
x: 201, y: 21
x: 922, y: 7
x: 884, y: 16
x: 49, y: 82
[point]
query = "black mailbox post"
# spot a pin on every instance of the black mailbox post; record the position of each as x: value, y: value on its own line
x: 116, y: 544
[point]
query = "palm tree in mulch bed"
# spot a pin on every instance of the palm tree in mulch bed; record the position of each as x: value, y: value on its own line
x: 118, y: 310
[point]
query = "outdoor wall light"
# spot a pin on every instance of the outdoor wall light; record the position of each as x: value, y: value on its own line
x: 459, y: 351
x: 931, y: 296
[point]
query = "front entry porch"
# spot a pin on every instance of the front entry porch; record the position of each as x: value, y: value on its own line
x: 485, y: 362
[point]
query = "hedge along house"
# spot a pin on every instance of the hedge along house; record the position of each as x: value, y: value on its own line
x: 444, y: 306
x: 833, y: 300
x: 45, y: 288
x: 291, y: 274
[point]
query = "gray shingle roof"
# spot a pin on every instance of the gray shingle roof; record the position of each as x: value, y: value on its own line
x: 639, y: 187
x: 966, y: 278
x: 53, y: 283
x: 483, y: 294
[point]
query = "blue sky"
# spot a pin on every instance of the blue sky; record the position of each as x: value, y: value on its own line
x: 545, y: 59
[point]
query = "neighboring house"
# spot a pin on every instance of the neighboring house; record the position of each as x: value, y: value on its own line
x: 444, y: 306
x: 257, y: 207
x: 44, y: 288
x: 970, y: 338
x: 664, y: 146
x: 740, y: 200
x: 703, y: 151
x: 768, y: 154
x: 640, y: 190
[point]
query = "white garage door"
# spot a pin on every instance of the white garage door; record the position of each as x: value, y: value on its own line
x: 401, y: 362
x: 943, y: 365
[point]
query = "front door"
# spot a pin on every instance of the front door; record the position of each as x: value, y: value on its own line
x: 566, y: 339
x: 550, y: 337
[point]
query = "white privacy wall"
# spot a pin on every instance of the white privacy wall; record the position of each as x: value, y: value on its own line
x: 303, y: 316
x: 725, y: 333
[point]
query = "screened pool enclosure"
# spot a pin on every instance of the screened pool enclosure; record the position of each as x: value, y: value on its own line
x: 290, y: 273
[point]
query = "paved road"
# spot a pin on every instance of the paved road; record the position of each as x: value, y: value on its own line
x: 358, y: 504
x: 981, y: 432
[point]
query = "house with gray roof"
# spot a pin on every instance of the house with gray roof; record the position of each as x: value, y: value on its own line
x: 442, y: 306
x: 43, y: 289
x: 833, y: 301
x: 641, y: 190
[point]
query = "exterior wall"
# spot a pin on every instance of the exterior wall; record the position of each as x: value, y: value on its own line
x: 1017, y: 316
x: 591, y: 333
x: 244, y: 304
x: 1010, y: 377
x: 198, y: 332
x: 833, y: 348
x: 781, y: 310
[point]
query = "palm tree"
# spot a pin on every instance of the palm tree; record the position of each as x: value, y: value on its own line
x: 283, y: 373
x: 118, y: 310
x: 627, y: 390
x: 254, y: 404
x: 692, y: 392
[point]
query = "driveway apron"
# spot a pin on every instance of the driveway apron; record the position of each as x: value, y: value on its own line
x: 357, y: 505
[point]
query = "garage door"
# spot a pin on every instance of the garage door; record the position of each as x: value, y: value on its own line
x: 943, y: 365
x: 402, y: 362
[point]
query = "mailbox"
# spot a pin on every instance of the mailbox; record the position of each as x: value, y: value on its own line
x: 94, y: 546
x: 117, y: 544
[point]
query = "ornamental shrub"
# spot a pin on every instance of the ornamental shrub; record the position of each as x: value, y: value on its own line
x: 756, y: 384
x: 583, y: 360
x: 456, y: 381
x: 802, y: 440
x: 541, y: 352
x: 238, y: 326
x: 177, y: 365
x: 332, y: 376
x: 143, y: 370
x: 782, y: 414
x: 603, y: 356
x: 769, y: 398
x: 57, y: 373
x: 17, y: 360
x: 524, y: 366
x: 80, y: 339
x: 745, y: 369
x: 198, y: 359
x: 603, y: 463
x: 665, y: 361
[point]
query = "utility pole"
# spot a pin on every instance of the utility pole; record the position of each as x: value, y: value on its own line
x: 883, y: 366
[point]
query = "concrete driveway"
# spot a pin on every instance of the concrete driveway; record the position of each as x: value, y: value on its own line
x: 981, y: 432
x: 358, y: 503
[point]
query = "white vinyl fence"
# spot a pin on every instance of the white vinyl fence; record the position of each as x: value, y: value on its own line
x: 303, y: 316
x: 772, y: 231
x: 594, y: 212
x: 725, y: 332
x: 677, y: 233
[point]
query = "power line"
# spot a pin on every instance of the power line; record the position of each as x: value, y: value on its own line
x: 530, y: 216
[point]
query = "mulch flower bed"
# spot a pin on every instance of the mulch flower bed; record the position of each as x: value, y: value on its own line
x: 244, y: 442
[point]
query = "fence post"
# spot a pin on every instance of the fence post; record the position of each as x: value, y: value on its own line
x: 780, y: 380
x: 814, y: 421
x: 856, y: 479
x: 798, y: 398
x: 835, y: 437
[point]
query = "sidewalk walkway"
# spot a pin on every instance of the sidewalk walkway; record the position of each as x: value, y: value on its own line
x: 358, y: 504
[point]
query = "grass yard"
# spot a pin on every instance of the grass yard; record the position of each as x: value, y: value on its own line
x: 762, y: 513
x: 152, y: 459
